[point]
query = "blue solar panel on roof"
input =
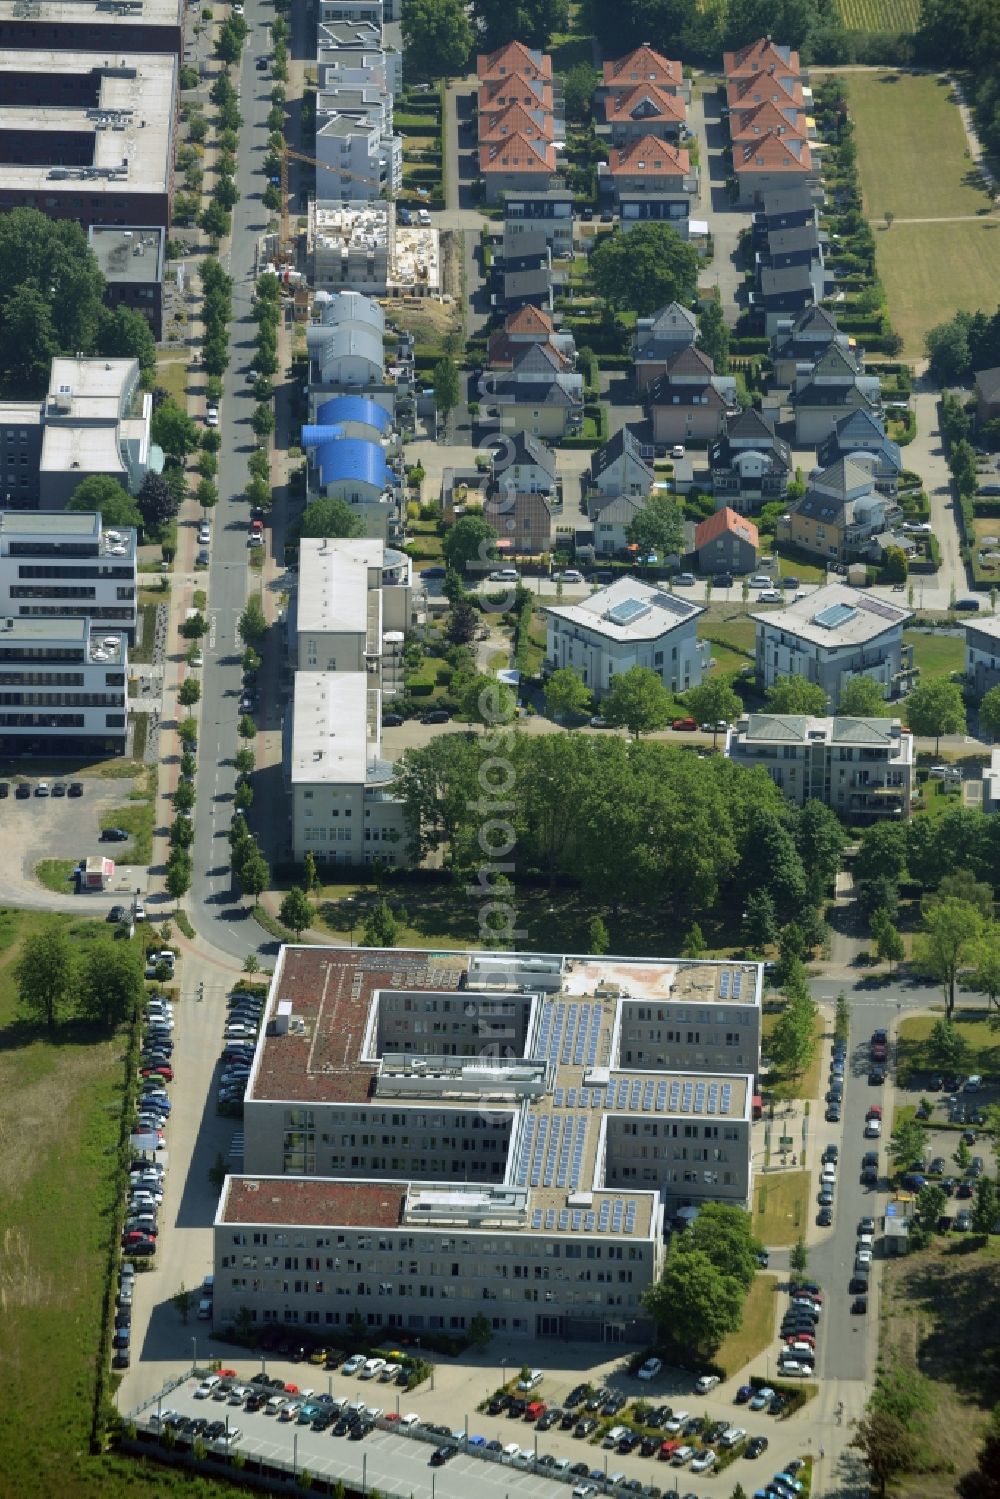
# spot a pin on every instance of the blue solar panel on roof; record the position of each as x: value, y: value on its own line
x: 737, y: 983
x: 834, y: 615
x: 724, y: 984
x: 536, y: 1218
x: 626, y: 611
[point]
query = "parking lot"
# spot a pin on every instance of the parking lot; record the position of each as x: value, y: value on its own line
x: 62, y: 827
x: 447, y: 1416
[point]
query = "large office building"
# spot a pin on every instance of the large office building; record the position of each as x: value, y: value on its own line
x: 353, y: 605
x: 88, y: 135
x: 95, y: 419
x: 57, y: 564
x: 435, y: 1136
x: 81, y: 25
x: 63, y: 687
x: 131, y: 260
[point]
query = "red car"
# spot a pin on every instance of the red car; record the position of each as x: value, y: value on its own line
x: 875, y: 1112
x: 799, y: 1337
x: 164, y: 1070
x: 684, y: 723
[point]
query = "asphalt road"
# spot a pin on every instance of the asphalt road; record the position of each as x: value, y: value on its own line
x: 220, y: 916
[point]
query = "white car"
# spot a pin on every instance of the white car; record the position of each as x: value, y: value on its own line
x: 212, y: 416
x: 705, y: 1383
x: 207, y: 1385
x: 792, y: 1366
x: 650, y: 1368
x: 677, y: 1421
x: 354, y: 1363
x: 873, y: 1128
x: 733, y: 1435
x: 204, y: 534
x: 677, y: 451
x: 407, y: 1422
x: 973, y: 1083
x: 862, y: 1257
x: 510, y: 1451
x: 760, y: 580
x: 681, y: 1456
x: 531, y: 1380
x: 372, y: 1367
x: 255, y: 540
x: 614, y: 1435
x: 704, y: 1461
x: 769, y: 596
x: 829, y: 1172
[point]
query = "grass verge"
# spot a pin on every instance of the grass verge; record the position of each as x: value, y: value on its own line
x: 806, y: 1085
x: 936, y: 654
x: 909, y: 259
x: 55, y: 874
x: 276, y: 928
x: 973, y: 1026
x: 757, y: 1331
x: 142, y: 651
x: 780, y: 1203
x: 138, y: 817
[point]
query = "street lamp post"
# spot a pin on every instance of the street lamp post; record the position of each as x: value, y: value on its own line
x: 364, y: 1474
x: 194, y: 1353
x: 295, y: 1454
x: 351, y: 915
x: 503, y: 1373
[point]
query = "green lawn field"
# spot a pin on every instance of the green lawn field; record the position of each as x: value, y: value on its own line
x: 931, y: 271
x: 911, y: 147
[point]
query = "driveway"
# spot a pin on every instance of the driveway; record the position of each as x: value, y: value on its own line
x: 925, y: 455
x: 724, y: 220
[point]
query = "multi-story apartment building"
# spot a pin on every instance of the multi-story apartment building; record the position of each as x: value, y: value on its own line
x: 352, y: 606
x: 627, y: 624
x: 62, y: 687
x: 832, y: 635
x: 88, y: 135
x: 429, y: 1137
x: 982, y: 653
x: 64, y: 563
x: 861, y: 767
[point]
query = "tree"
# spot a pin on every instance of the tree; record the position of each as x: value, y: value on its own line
x: 123, y: 333
x: 725, y: 1235
x: 109, y: 982
x: 794, y: 694
x: 184, y: 796
x: 566, y: 694
x: 262, y: 421
x: 187, y: 731
x: 986, y: 1207
x: 989, y: 712
x: 295, y: 911
x: 952, y: 931
x: 252, y: 874
x: 51, y: 296
x: 182, y: 1301
x: 798, y: 1259
x: 206, y: 494
x: 156, y: 501
x: 638, y: 701
x: 181, y: 832
x: 244, y: 761
x: 445, y: 383
x: 861, y: 697
x: 330, y: 517
x: 102, y: 493
x: 931, y: 1203
x: 246, y: 728
x: 470, y: 540
x: 189, y: 692
x: 693, y: 945
x: 194, y: 626
x: 983, y: 1481
x: 947, y: 1049
x: 947, y: 348
x: 713, y: 334
x: 252, y: 624
x: 889, y: 1448
x: 986, y: 975
x: 44, y: 975
x: 793, y: 1040
x: 488, y: 701
x: 713, y: 701
x: 437, y: 38
x: 760, y: 920
x: 889, y: 943
x: 226, y: 193
x: 462, y: 621
x: 179, y: 872
x: 530, y: 21
x: 381, y: 928
x: 934, y: 708
x: 598, y: 940
x: 657, y: 528
x: 644, y: 268
x: 243, y: 797
x: 819, y: 838
x: 962, y: 1156
x: 907, y: 1142
x: 694, y: 1303
x: 578, y: 91
x: 896, y: 568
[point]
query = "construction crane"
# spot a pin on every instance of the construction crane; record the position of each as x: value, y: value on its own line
x: 288, y: 152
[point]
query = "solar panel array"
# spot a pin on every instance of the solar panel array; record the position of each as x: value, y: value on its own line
x: 617, y: 1217
x: 552, y: 1151
x: 880, y: 607
x: 630, y: 1095
x: 568, y: 1033
x: 730, y: 983
x: 628, y: 610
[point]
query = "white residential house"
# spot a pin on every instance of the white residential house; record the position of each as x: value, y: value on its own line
x: 353, y: 605
x: 982, y: 653
x: 627, y: 624
x: 861, y: 767
x: 832, y: 635
x: 60, y: 563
